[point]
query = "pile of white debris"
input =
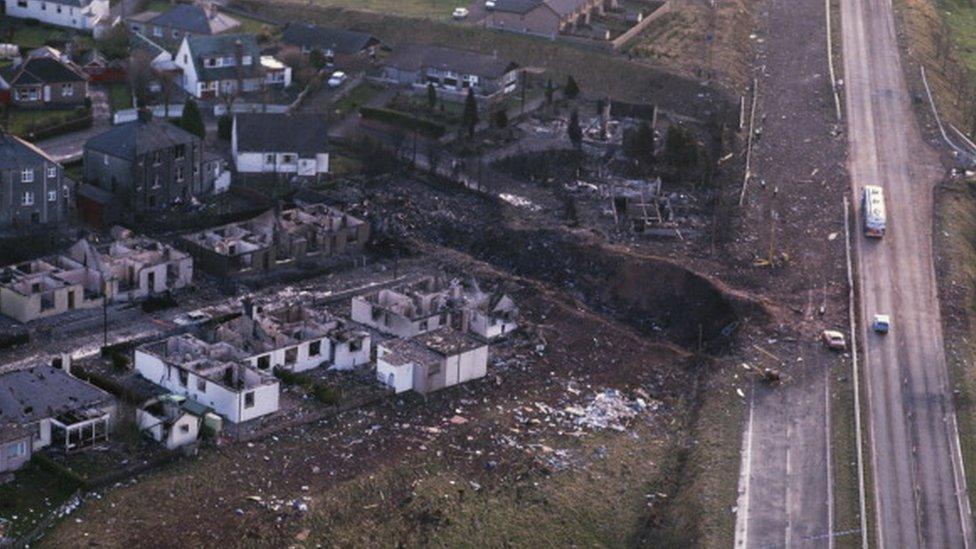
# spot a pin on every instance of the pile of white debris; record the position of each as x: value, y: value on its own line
x: 609, y: 409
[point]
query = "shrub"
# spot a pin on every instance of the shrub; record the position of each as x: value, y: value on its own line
x: 120, y: 362
x: 225, y: 127
x: 326, y: 394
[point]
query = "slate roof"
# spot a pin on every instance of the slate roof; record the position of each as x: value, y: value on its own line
x: 15, y: 153
x: 43, y: 391
x: 195, y: 19
x: 41, y: 70
x: 517, y: 6
x: 561, y: 7
x: 340, y: 41
x: 304, y: 134
x: 414, y: 57
x: 132, y: 139
x: 224, y: 45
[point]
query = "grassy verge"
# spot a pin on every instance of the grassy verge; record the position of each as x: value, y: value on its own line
x: 843, y: 445
x: 435, y: 9
x: 358, y: 97
x: 34, y: 492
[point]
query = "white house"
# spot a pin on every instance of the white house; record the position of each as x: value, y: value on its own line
x: 490, y: 315
x: 294, y: 338
x: 409, y: 310
x: 214, y: 375
x: 280, y: 143
x: 76, y: 14
x: 168, y: 422
x: 227, y: 65
x: 431, y: 361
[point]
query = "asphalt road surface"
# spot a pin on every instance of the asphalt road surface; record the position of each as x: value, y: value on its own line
x: 919, y: 486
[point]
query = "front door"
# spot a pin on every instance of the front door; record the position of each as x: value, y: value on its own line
x: 47, y: 94
x: 71, y: 300
x: 151, y: 278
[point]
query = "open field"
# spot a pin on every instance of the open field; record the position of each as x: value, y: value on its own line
x: 28, y: 499
x: 434, y: 9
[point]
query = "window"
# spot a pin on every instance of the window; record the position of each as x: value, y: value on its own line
x: 287, y: 159
x: 315, y: 348
x: 249, y: 400
x: 176, y: 34
x: 179, y: 173
x: 185, y: 428
x: 202, y: 385
x: 52, y: 196
x: 27, y: 199
x: 17, y: 449
x: 27, y: 176
x: 21, y: 3
x: 269, y: 159
x: 156, y: 184
x: 179, y: 152
x: 59, y: 9
x: 52, y: 171
x: 105, y: 160
x: 264, y: 362
x: 43, y: 6
x: 156, y: 158
x: 184, y: 378
x: 67, y: 90
x: 158, y: 32
x: 210, y: 62
x: 423, y: 326
x: 291, y: 355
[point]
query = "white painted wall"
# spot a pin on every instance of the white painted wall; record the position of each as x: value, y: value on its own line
x: 227, y: 403
x: 346, y: 359
x: 398, y: 378
x: 59, y: 14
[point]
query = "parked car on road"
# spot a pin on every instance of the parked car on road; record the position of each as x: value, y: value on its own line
x: 460, y: 13
x: 337, y: 79
x: 490, y: 4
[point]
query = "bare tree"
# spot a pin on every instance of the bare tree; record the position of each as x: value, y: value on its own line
x: 141, y: 75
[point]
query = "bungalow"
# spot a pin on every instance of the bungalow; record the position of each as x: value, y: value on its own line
x: 280, y: 143
x: 340, y: 47
x: 76, y: 14
x: 45, y: 79
x: 544, y: 17
x: 227, y: 64
x: 86, y: 275
x: 294, y: 338
x: 311, y: 232
x: 431, y: 361
x: 451, y: 71
x: 180, y: 21
x: 433, y: 304
x: 43, y: 406
x: 214, y: 375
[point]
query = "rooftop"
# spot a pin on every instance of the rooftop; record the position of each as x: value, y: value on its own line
x: 414, y: 57
x: 303, y: 134
x: 43, y: 391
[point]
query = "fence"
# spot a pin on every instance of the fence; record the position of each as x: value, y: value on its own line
x: 220, y: 109
x: 619, y: 41
x: 159, y: 111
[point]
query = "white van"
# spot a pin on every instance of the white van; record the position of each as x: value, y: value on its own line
x: 873, y: 211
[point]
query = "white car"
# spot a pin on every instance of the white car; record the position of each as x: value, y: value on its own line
x: 490, y: 4
x: 460, y: 13
x: 192, y: 318
x: 881, y: 324
x: 337, y: 78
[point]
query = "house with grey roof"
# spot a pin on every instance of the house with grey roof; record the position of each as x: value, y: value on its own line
x: 33, y: 187
x: 228, y: 65
x: 147, y: 164
x: 173, y: 25
x: 82, y: 15
x: 340, y: 47
x: 431, y: 362
x: 49, y: 406
x: 546, y: 18
x: 451, y: 71
x: 280, y: 143
x: 45, y: 78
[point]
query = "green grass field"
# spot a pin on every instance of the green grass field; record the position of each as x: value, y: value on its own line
x: 29, y: 498
x: 434, y: 9
x: 961, y: 16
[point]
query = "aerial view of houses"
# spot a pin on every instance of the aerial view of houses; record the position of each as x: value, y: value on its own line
x: 504, y: 273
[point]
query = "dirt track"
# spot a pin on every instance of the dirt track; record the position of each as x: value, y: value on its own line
x: 920, y: 491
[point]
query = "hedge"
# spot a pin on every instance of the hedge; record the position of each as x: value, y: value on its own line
x: 405, y: 121
x: 82, y: 123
